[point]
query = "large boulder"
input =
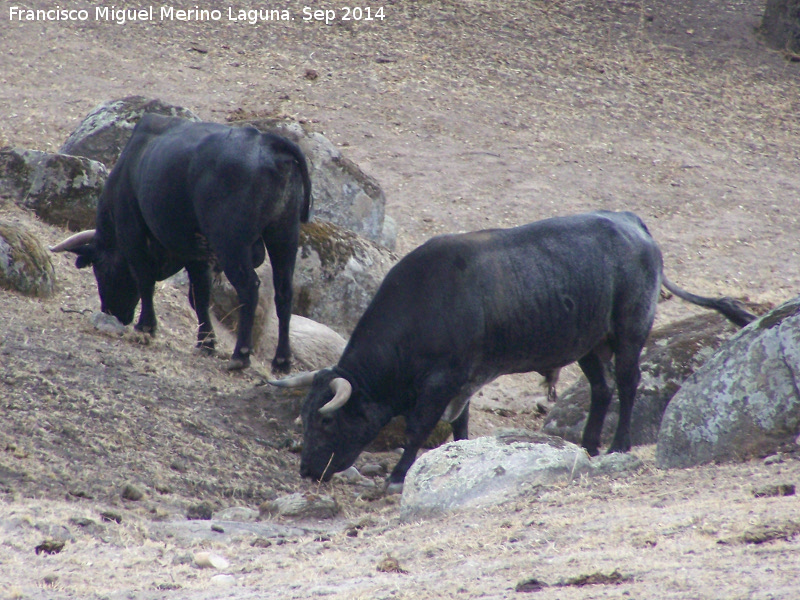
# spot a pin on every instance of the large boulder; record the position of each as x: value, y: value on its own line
x: 104, y: 132
x: 336, y: 275
x: 744, y: 402
x: 671, y: 355
x: 343, y: 193
x: 25, y: 266
x: 62, y: 190
x: 492, y: 470
x: 487, y: 471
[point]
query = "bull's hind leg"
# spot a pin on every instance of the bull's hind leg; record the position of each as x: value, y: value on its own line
x: 626, y: 367
x: 199, y: 298
x: 282, y: 257
x: 592, y: 367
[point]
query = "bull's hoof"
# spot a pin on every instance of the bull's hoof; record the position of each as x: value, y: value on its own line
x: 592, y: 451
x: 204, y: 350
x: 281, y: 365
x: 238, y: 363
x: 394, y: 488
x: 147, y: 329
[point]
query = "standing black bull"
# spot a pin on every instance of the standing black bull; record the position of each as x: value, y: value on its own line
x: 461, y: 310
x: 186, y: 194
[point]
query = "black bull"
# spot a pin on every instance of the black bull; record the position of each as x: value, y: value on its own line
x: 186, y: 194
x: 461, y: 310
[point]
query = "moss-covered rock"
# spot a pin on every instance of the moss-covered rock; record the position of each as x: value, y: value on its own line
x: 25, y: 266
x: 104, y: 132
x: 62, y: 190
x: 337, y: 274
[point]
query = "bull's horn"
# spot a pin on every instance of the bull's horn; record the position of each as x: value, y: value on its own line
x: 73, y: 241
x: 342, y: 390
x: 299, y: 380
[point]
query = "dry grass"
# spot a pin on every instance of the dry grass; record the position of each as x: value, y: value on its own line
x: 470, y: 115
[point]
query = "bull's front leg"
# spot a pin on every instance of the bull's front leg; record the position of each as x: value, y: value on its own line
x: 430, y: 405
x: 147, y: 322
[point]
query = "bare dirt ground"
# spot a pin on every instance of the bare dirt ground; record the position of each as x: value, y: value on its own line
x: 471, y: 114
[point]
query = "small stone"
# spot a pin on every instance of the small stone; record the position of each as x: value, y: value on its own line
x: 302, y: 506
x: 373, y: 470
x: 774, y: 459
x: 223, y: 580
x: 50, y: 547
x: 131, y: 492
x: 199, y: 512
x: 390, y: 565
x: 774, y: 490
x: 107, y: 324
x: 208, y: 560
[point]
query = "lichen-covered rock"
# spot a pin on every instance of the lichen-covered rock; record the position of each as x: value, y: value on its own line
x: 104, y: 132
x: 671, y: 355
x: 487, y: 471
x: 336, y: 275
x: 343, y: 193
x: 25, y: 266
x: 744, y: 402
x: 62, y: 190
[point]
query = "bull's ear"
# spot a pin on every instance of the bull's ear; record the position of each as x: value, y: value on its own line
x: 86, y: 256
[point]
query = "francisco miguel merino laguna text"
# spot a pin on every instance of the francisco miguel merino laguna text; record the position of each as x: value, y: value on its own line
x: 120, y: 16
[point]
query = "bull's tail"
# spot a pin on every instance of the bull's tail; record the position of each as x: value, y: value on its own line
x: 300, y: 158
x: 732, y: 309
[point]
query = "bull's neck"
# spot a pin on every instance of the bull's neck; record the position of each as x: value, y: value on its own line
x: 377, y: 378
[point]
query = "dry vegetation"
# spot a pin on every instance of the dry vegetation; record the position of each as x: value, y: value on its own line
x: 471, y: 114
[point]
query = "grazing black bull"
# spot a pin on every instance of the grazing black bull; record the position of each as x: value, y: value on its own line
x: 461, y: 310
x: 186, y: 194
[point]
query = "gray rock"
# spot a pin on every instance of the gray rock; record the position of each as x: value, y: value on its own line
x: 343, y: 193
x: 104, y: 132
x: 336, y: 275
x: 744, y: 402
x: 671, y: 355
x: 107, y: 324
x: 488, y: 471
x: 62, y: 190
x: 25, y: 266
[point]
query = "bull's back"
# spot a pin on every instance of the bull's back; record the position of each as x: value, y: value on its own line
x: 534, y: 297
x: 189, y: 178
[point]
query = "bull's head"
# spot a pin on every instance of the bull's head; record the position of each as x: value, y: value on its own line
x: 337, y: 422
x: 119, y: 294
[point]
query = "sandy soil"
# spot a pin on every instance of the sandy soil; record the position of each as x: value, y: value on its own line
x: 471, y: 114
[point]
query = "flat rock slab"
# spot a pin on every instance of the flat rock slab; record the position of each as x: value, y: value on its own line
x: 488, y: 471
x: 223, y: 531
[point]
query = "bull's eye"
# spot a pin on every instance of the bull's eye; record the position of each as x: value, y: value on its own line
x: 326, y: 420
